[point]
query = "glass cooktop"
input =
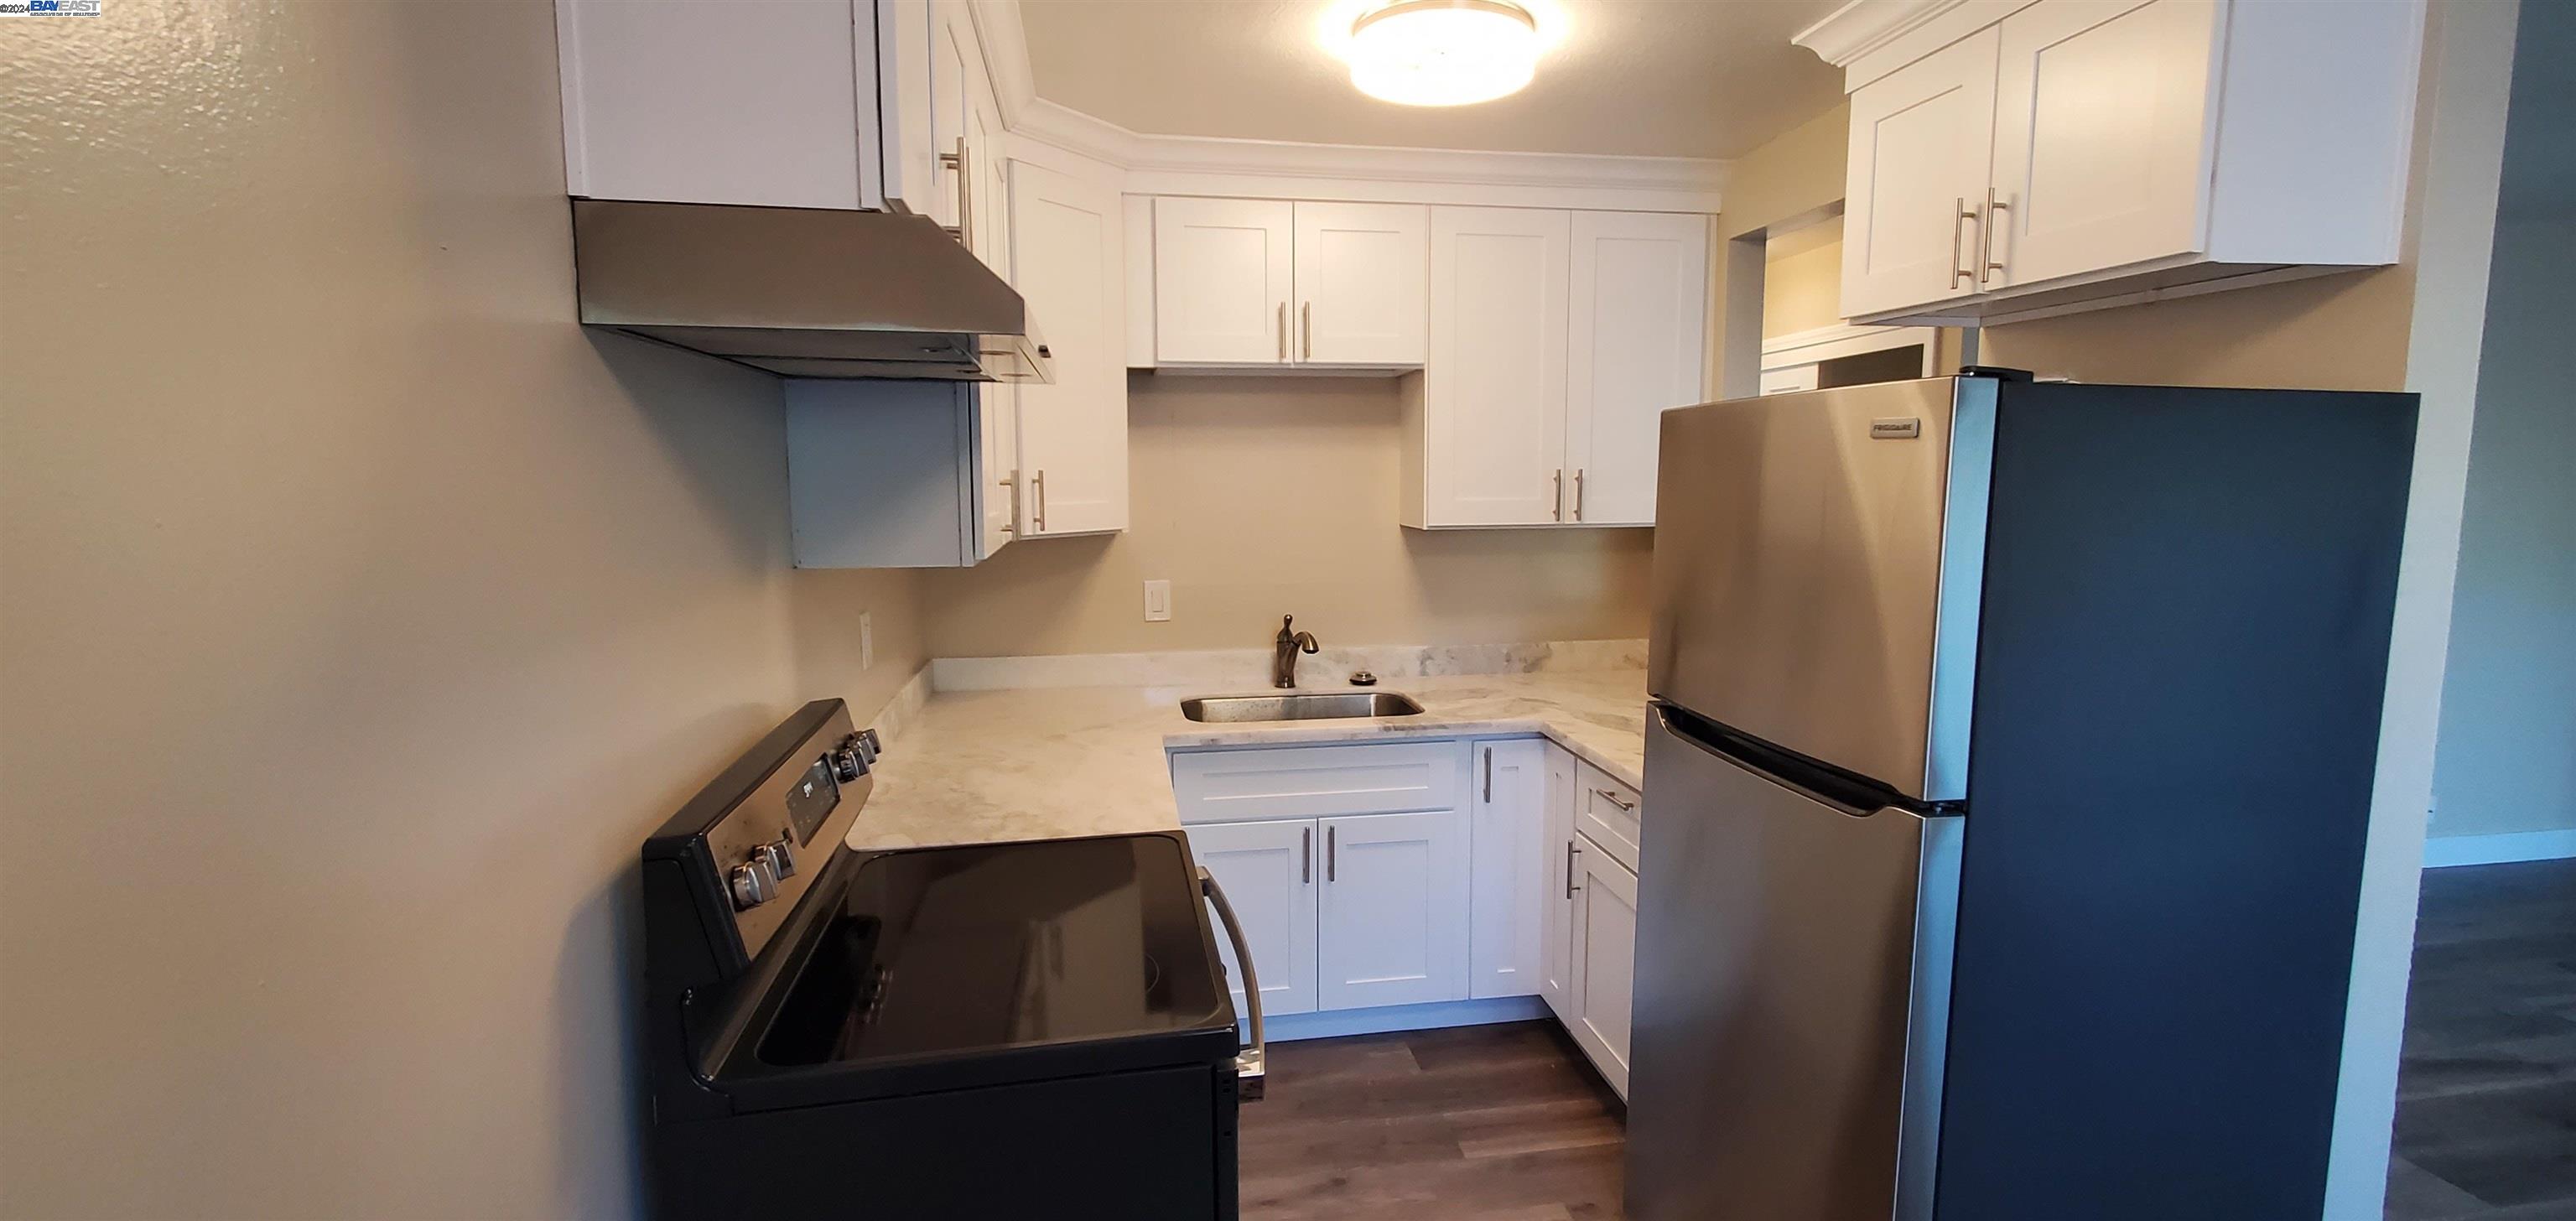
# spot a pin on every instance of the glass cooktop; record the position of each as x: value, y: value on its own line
x: 998, y: 945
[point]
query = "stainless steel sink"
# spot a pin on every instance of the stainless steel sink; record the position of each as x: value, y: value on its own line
x: 1297, y: 706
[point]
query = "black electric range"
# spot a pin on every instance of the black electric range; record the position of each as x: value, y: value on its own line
x: 1035, y: 1029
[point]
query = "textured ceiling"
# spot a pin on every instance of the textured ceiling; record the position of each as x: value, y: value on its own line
x: 1672, y: 78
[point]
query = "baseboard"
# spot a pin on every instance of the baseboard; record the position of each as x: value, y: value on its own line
x: 2442, y: 852
x: 1333, y: 1024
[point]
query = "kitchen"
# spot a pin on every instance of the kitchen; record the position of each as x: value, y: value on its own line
x: 1409, y: 398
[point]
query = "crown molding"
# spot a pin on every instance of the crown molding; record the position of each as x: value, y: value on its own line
x: 1159, y: 164
x: 1863, y: 26
x: 1868, y: 39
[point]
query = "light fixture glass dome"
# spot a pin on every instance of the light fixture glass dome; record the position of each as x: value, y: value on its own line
x: 1443, y: 52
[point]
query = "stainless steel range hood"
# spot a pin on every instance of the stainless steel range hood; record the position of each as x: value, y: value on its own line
x: 803, y: 292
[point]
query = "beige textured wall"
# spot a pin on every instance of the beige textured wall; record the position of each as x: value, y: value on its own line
x: 1258, y: 497
x: 362, y: 614
x: 2340, y: 332
x: 1795, y: 174
x: 1802, y: 281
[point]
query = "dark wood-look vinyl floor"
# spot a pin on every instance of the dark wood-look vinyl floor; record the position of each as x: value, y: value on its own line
x: 1495, y: 1123
x: 1507, y: 1123
x: 2486, y: 1093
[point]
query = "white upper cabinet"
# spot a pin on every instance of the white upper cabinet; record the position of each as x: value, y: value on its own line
x: 1360, y: 274
x: 811, y: 105
x: 1073, y: 433
x: 1557, y: 342
x: 1265, y: 282
x: 2102, y: 137
x: 1492, y: 411
x: 894, y: 474
x: 1638, y: 346
x: 1223, y: 273
x: 2022, y: 156
x: 1918, y: 162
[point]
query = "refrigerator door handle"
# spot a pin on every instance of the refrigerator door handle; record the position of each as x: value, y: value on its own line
x: 1852, y: 795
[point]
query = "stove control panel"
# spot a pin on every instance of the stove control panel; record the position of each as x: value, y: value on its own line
x: 759, y: 837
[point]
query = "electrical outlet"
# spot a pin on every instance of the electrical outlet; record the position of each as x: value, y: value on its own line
x: 1158, y: 601
x: 867, y: 642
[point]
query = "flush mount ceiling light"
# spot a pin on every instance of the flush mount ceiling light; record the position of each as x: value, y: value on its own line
x: 1443, y: 52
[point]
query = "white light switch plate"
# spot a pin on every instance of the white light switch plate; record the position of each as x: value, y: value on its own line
x: 1158, y: 601
x: 867, y: 642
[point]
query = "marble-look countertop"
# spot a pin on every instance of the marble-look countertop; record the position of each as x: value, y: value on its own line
x: 981, y: 766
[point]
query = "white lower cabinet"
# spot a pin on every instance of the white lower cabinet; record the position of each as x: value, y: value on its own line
x: 1346, y: 913
x: 1392, y: 920
x: 1602, y: 972
x: 1406, y: 873
x: 1268, y: 872
x: 1511, y: 871
x: 1556, y: 900
x: 1347, y: 866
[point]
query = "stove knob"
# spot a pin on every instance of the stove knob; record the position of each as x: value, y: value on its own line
x: 753, y: 883
x: 849, y: 762
x: 779, y: 856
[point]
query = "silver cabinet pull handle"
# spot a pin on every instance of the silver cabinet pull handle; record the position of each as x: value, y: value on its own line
x: 1041, y: 491
x: 1012, y: 482
x: 1305, y: 855
x: 1252, y: 1065
x: 1625, y: 807
x: 964, y: 229
x: 1578, y: 495
x: 1489, y: 774
x: 1306, y: 329
x: 1570, y: 887
x: 1959, y: 273
x: 1556, y: 494
x: 1283, y: 332
x: 1330, y: 872
x: 1986, y: 249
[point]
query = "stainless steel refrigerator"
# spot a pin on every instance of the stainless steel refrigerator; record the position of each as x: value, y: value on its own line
x: 2007, y: 776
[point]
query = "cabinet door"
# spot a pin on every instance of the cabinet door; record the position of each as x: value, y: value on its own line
x: 904, y: 53
x: 988, y: 204
x: 2103, y: 136
x: 1268, y: 871
x: 1361, y: 271
x: 1493, y: 380
x: 997, y: 426
x: 955, y: 63
x: 1556, y: 907
x: 1222, y: 271
x: 1638, y: 346
x: 1921, y: 139
x: 1605, y: 960
x: 1073, y: 433
x: 882, y: 474
x: 1393, y: 915
x: 731, y: 104
x: 1508, y: 836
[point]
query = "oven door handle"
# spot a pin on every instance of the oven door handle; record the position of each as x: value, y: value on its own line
x: 1252, y: 1066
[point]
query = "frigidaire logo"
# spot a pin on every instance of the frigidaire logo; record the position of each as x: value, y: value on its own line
x: 49, y: 8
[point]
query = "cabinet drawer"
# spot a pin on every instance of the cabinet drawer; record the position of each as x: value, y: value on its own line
x: 1317, y: 781
x: 1608, y: 811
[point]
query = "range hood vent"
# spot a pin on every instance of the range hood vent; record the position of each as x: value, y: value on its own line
x: 803, y: 292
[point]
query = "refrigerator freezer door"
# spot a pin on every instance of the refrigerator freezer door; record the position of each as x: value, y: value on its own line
x: 1792, y: 960
x: 1816, y: 566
